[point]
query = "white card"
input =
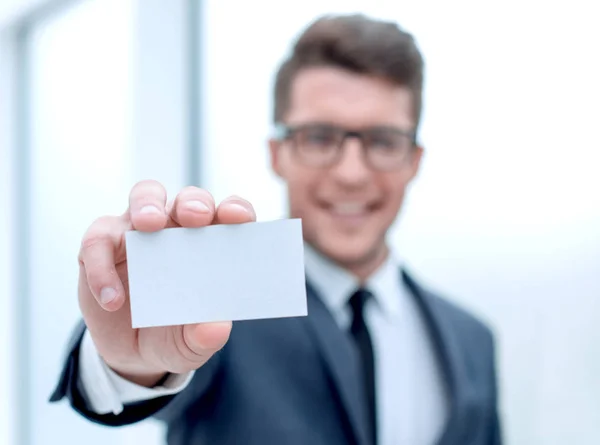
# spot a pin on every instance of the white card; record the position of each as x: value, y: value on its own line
x: 216, y: 273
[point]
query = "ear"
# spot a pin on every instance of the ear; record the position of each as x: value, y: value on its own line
x: 274, y: 146
x: 415, y: 161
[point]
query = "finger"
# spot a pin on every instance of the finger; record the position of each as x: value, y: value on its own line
x: 235, y: 210
x: 193, y: 207
x: 101, y: 246
x: 204, y: 339
x: 190, y: 346
x: 147, y: 201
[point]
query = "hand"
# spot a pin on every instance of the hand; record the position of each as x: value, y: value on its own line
x: 145, y: 355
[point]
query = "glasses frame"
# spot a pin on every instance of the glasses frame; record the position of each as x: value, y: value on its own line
x: 284, y: 132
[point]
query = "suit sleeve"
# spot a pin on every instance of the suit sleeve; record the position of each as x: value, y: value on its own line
x: 496, y: 431
x: 69, y: 387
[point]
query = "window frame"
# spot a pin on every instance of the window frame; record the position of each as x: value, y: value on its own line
x: 165, y: 147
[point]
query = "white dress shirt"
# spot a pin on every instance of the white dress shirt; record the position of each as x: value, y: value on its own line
x: 411, y: 399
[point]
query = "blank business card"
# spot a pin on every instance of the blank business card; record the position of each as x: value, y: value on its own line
x: 216, y: 273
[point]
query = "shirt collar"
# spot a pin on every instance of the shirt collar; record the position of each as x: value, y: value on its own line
x: 335, y: 285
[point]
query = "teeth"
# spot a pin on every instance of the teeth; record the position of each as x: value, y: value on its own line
x: 349, y: 208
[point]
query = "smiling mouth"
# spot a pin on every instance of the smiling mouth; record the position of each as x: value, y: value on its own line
x: 350, y: 209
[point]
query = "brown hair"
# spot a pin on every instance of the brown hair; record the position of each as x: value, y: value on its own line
x: 356, y: 43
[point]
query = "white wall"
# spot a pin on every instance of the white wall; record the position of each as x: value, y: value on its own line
x: 505, y: 216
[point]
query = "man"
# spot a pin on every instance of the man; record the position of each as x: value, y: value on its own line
x: 378, y: 360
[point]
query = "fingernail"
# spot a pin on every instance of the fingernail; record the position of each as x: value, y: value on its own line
x: 240, y: 207
x: 107, y: 295
x: 197, y: 206
x: 150, y: 209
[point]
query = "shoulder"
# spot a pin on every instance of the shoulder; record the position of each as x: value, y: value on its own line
x: 465, y: 322
x: 470, y: 332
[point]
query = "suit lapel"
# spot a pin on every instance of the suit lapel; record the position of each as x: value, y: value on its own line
x: 341, y: 362
x: 447, y: 348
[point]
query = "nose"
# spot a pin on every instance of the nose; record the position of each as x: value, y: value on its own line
x: 351, y: 168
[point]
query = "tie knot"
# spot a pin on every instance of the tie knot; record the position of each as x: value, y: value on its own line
x: 359, y: 299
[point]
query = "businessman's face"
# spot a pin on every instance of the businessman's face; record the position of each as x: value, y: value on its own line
x: 347, y: 201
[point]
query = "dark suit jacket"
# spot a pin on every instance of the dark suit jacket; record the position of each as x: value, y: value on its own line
x: 295, y: 381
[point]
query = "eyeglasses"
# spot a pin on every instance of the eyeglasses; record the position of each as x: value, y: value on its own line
x: 321, y: 145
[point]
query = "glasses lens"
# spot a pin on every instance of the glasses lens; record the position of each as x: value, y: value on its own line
x: 317, y: 145
x: 387, y: 149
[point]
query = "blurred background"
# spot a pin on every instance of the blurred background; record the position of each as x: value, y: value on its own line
x: 505, y: 217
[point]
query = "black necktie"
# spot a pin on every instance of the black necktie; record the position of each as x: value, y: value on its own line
x: 363, y: 342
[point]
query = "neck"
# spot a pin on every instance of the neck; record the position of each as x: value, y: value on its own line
x: 365, y: 267
x: 362, y: 268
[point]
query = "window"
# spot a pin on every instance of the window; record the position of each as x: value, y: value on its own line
x: 79, y: 106
x: 95, y: 99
